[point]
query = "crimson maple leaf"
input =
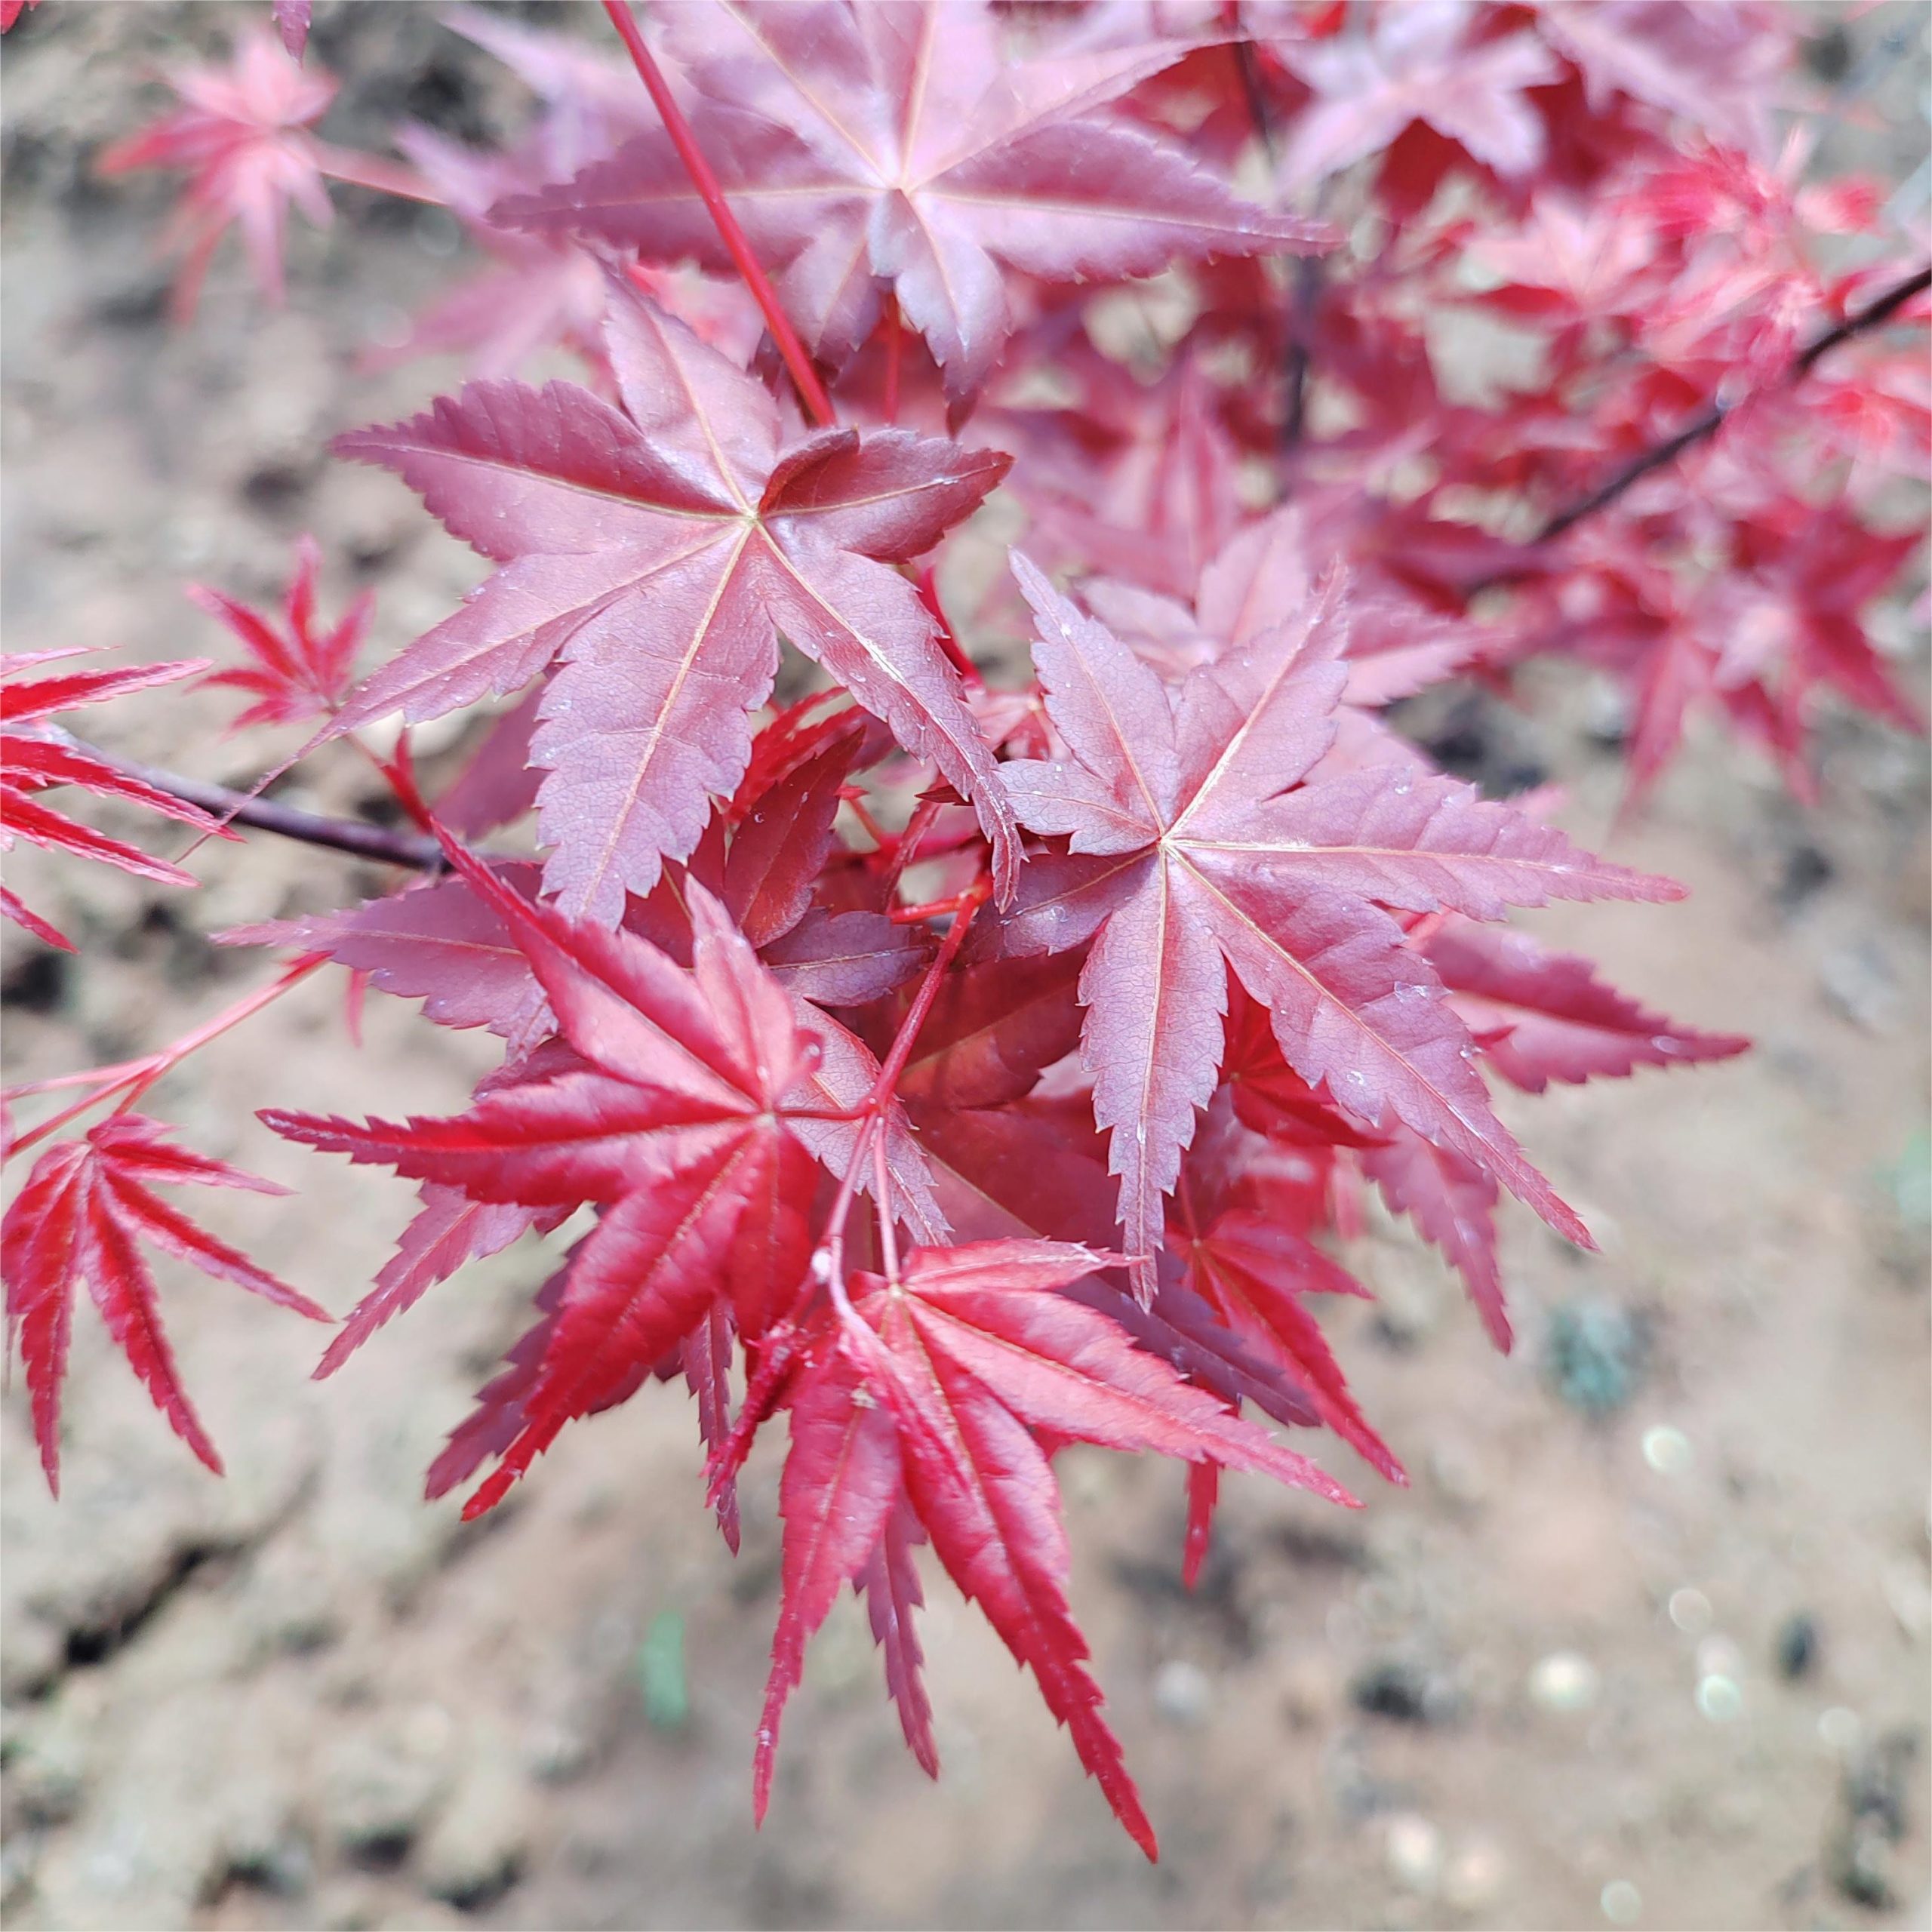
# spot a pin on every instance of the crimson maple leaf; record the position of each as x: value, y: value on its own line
x: 659, y: 550
x: 667, y: 1112
x: 1718, y: 68
x: 33, y: 762
x: 301, y: 670
x: 944, y: 1380
x: 1236, y: 1228
x: 437, y: 941
x: 1138, y: 481
x: 1543, y: 1015
x: 1394, y: 648
x: 242, y: 136
x: 1189, y: 852
x: 86, y: 1208
x: 1427, y: 62
x: 536, y: 292
x: 888, y: 145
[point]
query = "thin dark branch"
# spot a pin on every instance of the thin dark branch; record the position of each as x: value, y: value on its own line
x: 1307, y: 287
x: 1875, y: 312
x: 1301, y: 347
x: 356, y: 837
x: 1250, y: 71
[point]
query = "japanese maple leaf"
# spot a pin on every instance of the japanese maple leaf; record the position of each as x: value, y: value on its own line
x: 1188, y: 854
x: 1424, y: 61
x: 1451, y: 1201
x: 1138, y: 481
x: 1717, y: 67
x: 535, y: 292
x: 1543, y: 1015
x: 666, y: 1112
x: 888, y: 145
x: 1395, y: 649
x: 242, y: 135
x: 1249, y: 1262
x: 591, y: 100
x: 86, y: 1208
x: 941, y: 1380
x: 301, y: 670
x: 659, y: 549
x: 33, y: 762
x: 438, y: 942
x: 1570, y: 262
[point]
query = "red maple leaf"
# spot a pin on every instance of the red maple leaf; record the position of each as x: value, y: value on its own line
x: 946, y: 1378
x: 1543, y: 1015
x: 667, y: 1113
x: 536, y: 291
x: 34, y: 761
x: 1428, y: 62
x: 438, y: 942
x: 658, y: 551
x: 302, y: 670
x: 86, y: 1209
x: 866, y: 147
x: 242, y: 135
x: 1394, y: 648
x: 1189, y: 852
x: 1719, y: 68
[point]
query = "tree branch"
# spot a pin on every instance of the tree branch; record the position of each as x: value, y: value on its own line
x: 1307, y: 272
x: 1880, y: 309
x: 356, y: 837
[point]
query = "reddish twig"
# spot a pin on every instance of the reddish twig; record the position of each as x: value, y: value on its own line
x: 132, y: 1079
x: 828, y: 1263
x: 369, y: 171
x: 805, y: 377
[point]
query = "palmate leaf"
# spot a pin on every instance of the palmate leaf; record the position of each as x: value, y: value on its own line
x: 300, y: 669
x: 1188, y: 853
x: 86, y: 1208
x: 1395, y: 647
x: 658, y: 551
x: 928, y: 1405
x: 1544, y: 1016
x: 32, y: 764
x: 666, y: 1112
x: 240, y: 135
x: 889, y: 144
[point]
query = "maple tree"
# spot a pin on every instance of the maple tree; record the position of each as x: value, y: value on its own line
x: 977, y: 1056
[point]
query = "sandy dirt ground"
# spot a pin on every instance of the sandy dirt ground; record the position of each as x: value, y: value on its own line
x: 1664, y: 1662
